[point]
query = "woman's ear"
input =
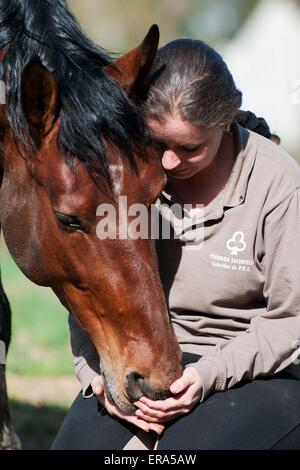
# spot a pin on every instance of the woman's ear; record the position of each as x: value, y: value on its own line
x: 39, y: 98
x: 132, y: 69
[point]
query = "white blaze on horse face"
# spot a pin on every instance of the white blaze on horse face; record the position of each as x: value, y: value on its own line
x: 116, y: 173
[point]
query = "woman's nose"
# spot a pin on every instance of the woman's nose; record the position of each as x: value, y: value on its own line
x: 170, y: 160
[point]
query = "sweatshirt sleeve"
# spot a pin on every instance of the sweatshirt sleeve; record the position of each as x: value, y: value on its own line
x: 86, y: 358
x: 269, y: 345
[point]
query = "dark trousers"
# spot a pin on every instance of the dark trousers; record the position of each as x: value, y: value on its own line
x: 260, y: 414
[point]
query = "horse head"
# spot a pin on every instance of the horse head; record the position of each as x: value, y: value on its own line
x: 50, y: 197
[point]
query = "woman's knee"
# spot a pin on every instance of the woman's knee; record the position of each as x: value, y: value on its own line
x: 88, y: 426
x: 253, y: 415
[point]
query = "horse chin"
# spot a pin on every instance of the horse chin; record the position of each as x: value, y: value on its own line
x: 116, y: 400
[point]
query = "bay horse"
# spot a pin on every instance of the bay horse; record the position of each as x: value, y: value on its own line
x: 68, y: 122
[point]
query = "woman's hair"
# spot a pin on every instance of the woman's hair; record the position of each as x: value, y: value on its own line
x: 190, y: 77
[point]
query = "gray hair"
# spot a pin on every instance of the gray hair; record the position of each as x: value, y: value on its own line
x: 190, y: 77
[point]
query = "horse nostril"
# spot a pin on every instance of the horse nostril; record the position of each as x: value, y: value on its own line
x: 137, y: 385
x: 134, y: 383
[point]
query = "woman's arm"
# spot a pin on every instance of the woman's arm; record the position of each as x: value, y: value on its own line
x: 86, y: 358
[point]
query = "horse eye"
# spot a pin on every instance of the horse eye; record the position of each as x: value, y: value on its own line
x: 69, y: 222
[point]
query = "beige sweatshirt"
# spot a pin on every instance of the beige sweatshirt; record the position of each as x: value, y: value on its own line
x: 235, y: 298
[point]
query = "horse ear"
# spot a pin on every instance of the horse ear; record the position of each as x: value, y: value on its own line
x: 3, y: 53
x: 39, y: 97
x: 132, y: 69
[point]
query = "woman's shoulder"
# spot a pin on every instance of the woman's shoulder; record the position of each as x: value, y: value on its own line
x: 275, y: 156
x: 274, y: 167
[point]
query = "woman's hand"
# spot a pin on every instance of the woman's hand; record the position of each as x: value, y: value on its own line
x: 98, y: 390
x: 187, y: 392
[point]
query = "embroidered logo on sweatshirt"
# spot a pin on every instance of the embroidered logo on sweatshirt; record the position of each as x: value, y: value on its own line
x: 236, y: 243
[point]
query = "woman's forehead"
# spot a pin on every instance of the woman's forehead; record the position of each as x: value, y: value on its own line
x: 177, y: 130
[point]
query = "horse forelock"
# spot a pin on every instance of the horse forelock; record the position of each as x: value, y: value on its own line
x: 92, y: 106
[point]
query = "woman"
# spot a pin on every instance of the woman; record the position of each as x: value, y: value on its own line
x: 234, y: 300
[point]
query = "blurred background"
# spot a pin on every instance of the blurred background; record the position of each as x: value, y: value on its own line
x: 260, y: 41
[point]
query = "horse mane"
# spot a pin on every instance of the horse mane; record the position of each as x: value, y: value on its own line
x: 92, y: 105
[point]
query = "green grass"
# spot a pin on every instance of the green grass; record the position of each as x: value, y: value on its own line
x: 40, y: 342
